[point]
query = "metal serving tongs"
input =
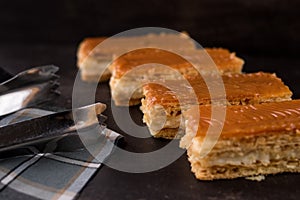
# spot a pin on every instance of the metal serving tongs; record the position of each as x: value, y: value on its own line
x: 30, y: 76
x: 28, y: 88
x: 50, y: 127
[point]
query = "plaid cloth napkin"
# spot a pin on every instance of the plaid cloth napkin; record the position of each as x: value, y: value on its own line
x: 60, y: 175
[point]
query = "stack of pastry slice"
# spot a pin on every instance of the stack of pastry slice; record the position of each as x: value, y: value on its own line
x: 136, y: 68
x: 257, y: 139
x: 163, y: 103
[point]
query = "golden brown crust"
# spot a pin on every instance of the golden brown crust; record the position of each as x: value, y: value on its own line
x: 86, y: 47
x: 250, y: 119
x: 133, y: 59
x: 225, y: 61
x: 239, y: 89
x: 231, y: 172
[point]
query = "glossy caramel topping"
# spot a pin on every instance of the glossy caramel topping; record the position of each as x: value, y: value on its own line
x: 120, y: 45
x: 240, y: 89
x: 267, y: 118
x: 223, y: 59
x: 139, y: 57
x: 87, y: 45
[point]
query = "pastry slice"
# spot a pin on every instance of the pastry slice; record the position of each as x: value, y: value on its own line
x: 135, y: 68
x: 162, y: 106
x: 90, y: 63
x: 92, y: 59
x: 255, y: 140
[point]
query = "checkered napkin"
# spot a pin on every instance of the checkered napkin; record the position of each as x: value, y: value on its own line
x: 60, y: 175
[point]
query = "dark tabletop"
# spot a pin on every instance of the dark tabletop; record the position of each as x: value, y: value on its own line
x: 174, y: 181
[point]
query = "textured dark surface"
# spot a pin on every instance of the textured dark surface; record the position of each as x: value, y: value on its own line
x: 265, y: 33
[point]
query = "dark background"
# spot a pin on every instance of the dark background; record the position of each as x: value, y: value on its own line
x: 246, y: 26
x: 266, y: 33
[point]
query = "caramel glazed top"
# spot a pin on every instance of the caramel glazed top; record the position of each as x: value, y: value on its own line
x: 223, y: 59
x: 266, y: 118
x: 254, y: 87
x: 115, y: 44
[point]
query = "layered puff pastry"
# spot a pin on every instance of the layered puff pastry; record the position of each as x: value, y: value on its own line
x: 254, y: 140
x: 90, y: 63
x: 163, y: 103
x: 136, y: 68
x: 92, y: 58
